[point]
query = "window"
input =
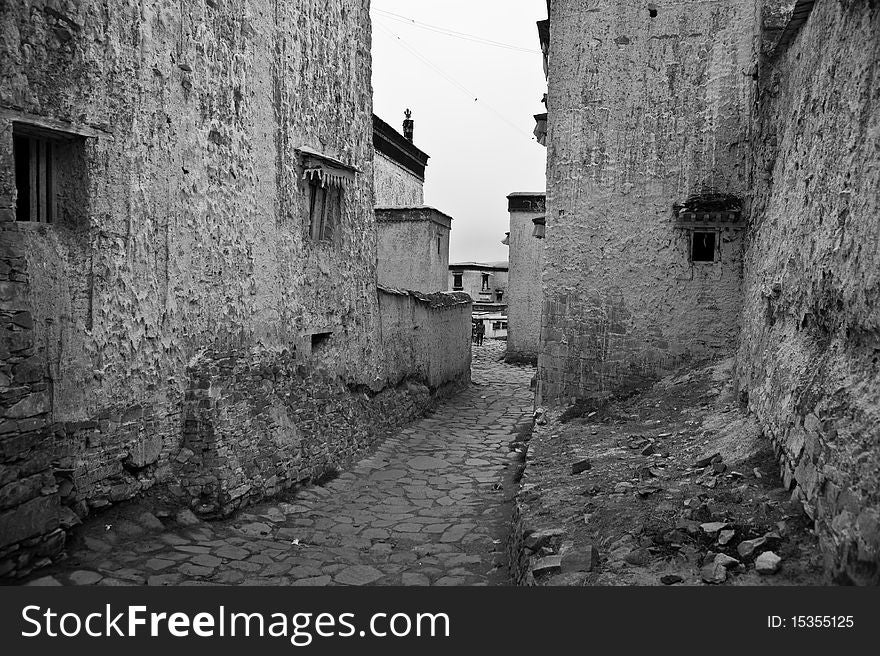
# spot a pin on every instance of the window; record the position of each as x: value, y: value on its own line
x: 703, y: 246
x: 320, y: 341
x: 438, y: 245
x: 456, y: 282
x: 50, y: 174
x: 485, y: 285
x: 499, y: 294
x: 325, y: 210
x: 34, y: 178
x: 327, y: 177
x: 496, y: 325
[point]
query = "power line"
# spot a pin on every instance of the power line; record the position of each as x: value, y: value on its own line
x: 458, y: 85
x: 453, y: 33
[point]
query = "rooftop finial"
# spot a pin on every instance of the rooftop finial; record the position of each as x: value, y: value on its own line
x: 408, y: 125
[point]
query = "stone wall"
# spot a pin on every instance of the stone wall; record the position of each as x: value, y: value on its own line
x: 182, y: 232
x: 426, y: 337
x: 525, y: 292
x: 396, y: 186
x: 413, y: 248
x: 29, y: 491
x: 645, y: 114
x: 808, y: 355
x: 262, y: 422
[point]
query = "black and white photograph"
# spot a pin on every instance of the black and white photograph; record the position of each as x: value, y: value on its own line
x: 554, y: 296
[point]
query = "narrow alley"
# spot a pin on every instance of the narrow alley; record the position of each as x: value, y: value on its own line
x: 426, y: 508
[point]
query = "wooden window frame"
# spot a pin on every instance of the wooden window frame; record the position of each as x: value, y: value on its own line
x: 326, y: 202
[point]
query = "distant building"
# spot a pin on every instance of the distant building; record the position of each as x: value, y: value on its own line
x: 494, y: 324
x: 485, y: 282
x: 413, y: 238
x: 413, y: 248
x: 524, y: 297
x: 398, y: 167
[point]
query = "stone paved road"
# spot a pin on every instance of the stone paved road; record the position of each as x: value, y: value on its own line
x: 424, y: 509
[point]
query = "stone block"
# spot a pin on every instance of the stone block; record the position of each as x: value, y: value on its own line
x: 17, y: 492
x: 144, y: 452
x: 36, y: 517
x: 30, y: 406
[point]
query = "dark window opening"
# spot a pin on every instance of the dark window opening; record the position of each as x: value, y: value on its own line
x: 34, y: 178
x: 456, y: 282
x: 652, y: 10
x: 325, y: 210
x: 703, y: 247
x: 320, y: 341
x: 485, y: 284
x: 50, y: 175
x: 499, y: 294
x: 438, y: 245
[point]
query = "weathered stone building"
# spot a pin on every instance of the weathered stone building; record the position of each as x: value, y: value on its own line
x: 485, y: 282
x: 188, y: 258
x: 810, y: 340
x: 648, y: 126
x: 413, y: 238
x: 712, y: 181
x: 413, y: 247
x: 526, y: 262
x: 398, y: 166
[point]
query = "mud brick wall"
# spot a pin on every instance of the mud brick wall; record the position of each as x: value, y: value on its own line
x: 644, y: 112
x: 257, y: 424
x: 425, y: 337
x: 182, y: 225
x: 524, y: 291
x: 809, y: 355
x: 409, y: 257
x: 396, y: 186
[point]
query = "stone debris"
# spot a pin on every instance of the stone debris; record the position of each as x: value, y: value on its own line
x: 638, y: 557
x: 585, y: 559
x: 713, y: 573
x: 539, y: 539
x: 547, y: 565
x: 725, y: 536
x: 727, y: 561
x: 581, y: 466
x: 747, y: 548
x: 706, y: 461
x: 711, y: 528
x: 768, y: 563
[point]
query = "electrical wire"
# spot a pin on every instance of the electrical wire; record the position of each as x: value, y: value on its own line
x: 454, y: 33
x: 458, y: 85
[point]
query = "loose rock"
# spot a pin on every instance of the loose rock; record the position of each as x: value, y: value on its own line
x: 768, y: 563
x: 584, y: 560
x: 581, y: 466
x: 714, y: 573
x: 747, y: 548
x: 547, y: 565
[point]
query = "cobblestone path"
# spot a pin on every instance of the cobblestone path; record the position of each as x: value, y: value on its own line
x: 425, y: 509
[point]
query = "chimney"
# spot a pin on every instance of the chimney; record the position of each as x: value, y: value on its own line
x: 408, y: 125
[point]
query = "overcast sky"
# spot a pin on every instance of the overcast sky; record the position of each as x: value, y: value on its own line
x: 480, y: 150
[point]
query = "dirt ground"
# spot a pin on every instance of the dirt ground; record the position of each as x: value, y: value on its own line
x: 675, y: 479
